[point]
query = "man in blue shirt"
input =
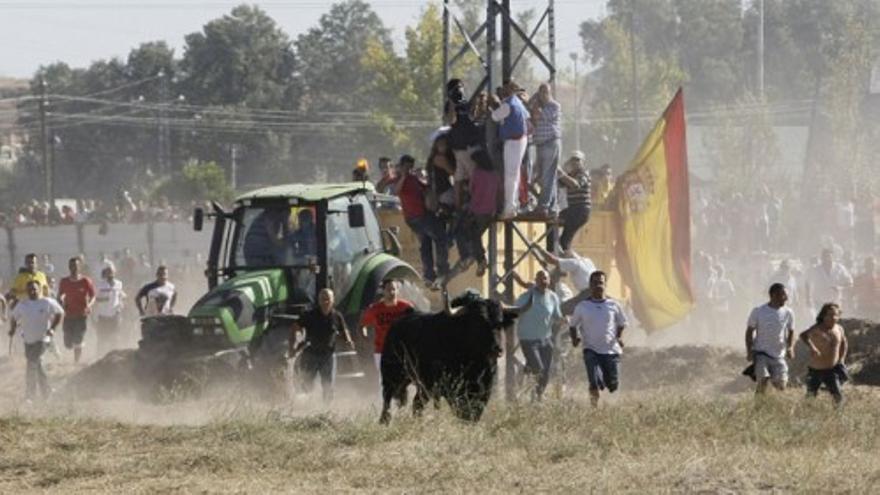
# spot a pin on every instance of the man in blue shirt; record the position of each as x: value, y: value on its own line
x: 540, y: 312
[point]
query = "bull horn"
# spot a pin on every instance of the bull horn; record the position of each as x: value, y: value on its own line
x: 447, y: 308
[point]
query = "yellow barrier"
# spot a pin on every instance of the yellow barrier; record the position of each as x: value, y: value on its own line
x: 594, y: 241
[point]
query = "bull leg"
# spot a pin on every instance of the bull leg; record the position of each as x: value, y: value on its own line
x: 385, y: 417
x: 419, y: 401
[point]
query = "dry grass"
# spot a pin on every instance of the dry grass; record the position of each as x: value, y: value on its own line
x: 645, y: 443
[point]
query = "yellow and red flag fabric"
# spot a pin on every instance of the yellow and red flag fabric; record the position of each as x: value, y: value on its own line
x: 653, y: 208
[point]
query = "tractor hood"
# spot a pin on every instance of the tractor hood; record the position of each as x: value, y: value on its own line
x: 241, y: 306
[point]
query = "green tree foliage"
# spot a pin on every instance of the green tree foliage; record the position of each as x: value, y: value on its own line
x: 613, y: 133
x: 331, y: 55
x: 201, y: 181
x: 243, y: 58
x: 416, y: 77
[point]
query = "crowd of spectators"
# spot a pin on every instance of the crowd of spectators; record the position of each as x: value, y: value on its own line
x: 123, y: 209
x: 498, y: 157
x: 745, y: 242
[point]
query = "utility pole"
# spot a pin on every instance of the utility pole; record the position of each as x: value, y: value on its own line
x: 551, y: 28
x: 445, y: 57
x: 161, y: 125
x: 635, y: 70
x: 44, y: 144
x: 233, y: 166
x: 761, y: 49
x: 577, y: 102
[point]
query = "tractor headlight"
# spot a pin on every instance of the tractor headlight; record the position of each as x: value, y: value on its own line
x: 198, y: 331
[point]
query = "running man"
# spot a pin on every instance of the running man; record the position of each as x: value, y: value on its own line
x: 29, y: 272
x: 382, y: 314
x: 322, y: 326
x: 539, y: 312
x: 828, y: 347
x: 109, y: 307
x: 37, y: 317
x: 77, y: 294
x: 160, y: 295
x: 599, y: 322
x: 770, y: 339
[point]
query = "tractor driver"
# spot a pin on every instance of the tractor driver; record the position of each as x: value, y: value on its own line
x: 263, y: 242
x: 303, y: 239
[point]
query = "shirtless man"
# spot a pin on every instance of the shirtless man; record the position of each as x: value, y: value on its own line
x: 828, y: 348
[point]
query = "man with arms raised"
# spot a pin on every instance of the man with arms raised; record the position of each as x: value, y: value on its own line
x: 828, y: 348
x: 36, y: 317
x: 770, y: 339
x: 599, y: 322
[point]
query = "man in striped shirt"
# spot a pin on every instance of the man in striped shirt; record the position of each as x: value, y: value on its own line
x: 546, y: 115
x: 577, y: 184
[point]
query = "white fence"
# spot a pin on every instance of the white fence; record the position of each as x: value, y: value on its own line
x: 172, y: 242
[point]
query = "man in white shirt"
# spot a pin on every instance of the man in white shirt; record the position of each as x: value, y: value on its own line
x: 770, y: 339
x: 827, y: 281
x: 160, y: 295
x: 109, y: 309
x: 36, y: 318
x: 599, y: 322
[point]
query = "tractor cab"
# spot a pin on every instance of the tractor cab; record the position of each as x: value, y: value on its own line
x: 279, y: 246
x: 315, y: 234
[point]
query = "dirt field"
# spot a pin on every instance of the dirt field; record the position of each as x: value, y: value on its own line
x: 685, y: 422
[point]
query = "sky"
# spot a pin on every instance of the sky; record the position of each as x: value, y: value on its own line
x: 39, y: 32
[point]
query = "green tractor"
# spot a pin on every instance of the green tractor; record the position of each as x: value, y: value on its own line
x: 269, y: 257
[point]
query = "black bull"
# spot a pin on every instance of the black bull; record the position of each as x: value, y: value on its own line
x: 445, y: 355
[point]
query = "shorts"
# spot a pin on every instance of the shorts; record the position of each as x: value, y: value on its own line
x: 769, y: 366
x: 74, y: 331
x: 603, y: 370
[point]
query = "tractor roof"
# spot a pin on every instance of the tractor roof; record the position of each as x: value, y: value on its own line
x: 307, y: 192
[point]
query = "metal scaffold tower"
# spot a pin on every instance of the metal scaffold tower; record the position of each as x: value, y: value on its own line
x: 499, y: 14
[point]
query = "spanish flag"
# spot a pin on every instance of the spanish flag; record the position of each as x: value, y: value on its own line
x: 653, y: 241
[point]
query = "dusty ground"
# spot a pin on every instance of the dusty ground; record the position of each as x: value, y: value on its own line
x: 685, y: 422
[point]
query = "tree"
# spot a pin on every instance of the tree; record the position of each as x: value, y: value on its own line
x: 243, y: 59
x: 417, y: 78
x: 331, y: 56
x: 237, y: 63
x: 612, y: 136
x: 200, y: 181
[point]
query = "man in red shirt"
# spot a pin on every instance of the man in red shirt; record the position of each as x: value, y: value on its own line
x: 382, y: 314
x: 77, y: 294
x: 430, y: 230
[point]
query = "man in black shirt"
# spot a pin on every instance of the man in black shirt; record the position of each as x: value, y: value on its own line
x: 322, y: 325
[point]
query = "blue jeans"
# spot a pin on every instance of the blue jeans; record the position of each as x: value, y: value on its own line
x: 469, y: 236
x: 547, y: 156
x: 829, y: 378
x: 539, y: 360
x: 603, y: 370
x: 431, y: 232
